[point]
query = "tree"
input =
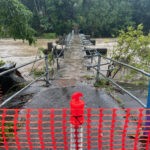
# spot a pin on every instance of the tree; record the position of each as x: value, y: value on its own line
x: 105, y: 17
x: 15, y: 19
x: 41, y: 21
x: 62, y: 14
x: 96, y: 17
x: 141, y: 13
x: 133, y: 47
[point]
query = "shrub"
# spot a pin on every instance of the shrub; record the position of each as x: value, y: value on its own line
x: 2, y: 63
x: 133, y: 47
x: 49, y: 36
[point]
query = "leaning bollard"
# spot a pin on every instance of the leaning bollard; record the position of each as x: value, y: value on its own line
x: 147, y: 123
x: 76, y: 120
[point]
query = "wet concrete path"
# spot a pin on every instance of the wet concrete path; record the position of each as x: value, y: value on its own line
x: 70, y: 79
x: 73, y: 66
x: 72, y: 70
x: 73, y: 61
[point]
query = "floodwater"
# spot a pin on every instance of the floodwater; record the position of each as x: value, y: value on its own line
x: 21, y: 52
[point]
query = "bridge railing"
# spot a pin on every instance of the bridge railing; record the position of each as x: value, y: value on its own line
x: 46, y: 74
x: 120, y: 87
x: 100, y: 72
x: 68, y: 39
x: 102, y: 129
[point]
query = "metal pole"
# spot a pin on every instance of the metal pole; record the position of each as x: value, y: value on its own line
x: 126, y: 65
x: 147, y: 123
x: 13, y: 69
x: 98, y: 68
x: 57, y: 63
x: 47, y: 70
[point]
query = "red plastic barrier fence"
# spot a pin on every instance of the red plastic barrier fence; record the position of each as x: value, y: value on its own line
x: 46, y: 129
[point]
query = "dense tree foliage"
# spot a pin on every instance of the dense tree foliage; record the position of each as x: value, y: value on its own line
x: 14, y: 20
x: 105, y: 17
x: 97, y: 17
x: 141, y: 13
x: 52, y: 15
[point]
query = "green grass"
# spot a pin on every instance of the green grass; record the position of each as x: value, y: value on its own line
x: 38, y: 72
x: 87, y: 77
x: 102, y: 83
x: 8, y: 131
x: 49, y: 36
x: 2, y: 63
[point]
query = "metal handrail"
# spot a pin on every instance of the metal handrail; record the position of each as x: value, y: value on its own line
x: 97, y: 54
x: 126, y: 65
x: 13, y: 69
x: 17, y: 93
x: 126, y: 91
x: 121, y: 63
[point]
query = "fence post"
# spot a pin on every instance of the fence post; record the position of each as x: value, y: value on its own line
x: 147, y: 123
x: 46, y: 67
x: 76, y: 120
x: 98, y: 68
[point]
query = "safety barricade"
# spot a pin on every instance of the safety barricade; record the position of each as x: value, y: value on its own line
x: 101, y: 129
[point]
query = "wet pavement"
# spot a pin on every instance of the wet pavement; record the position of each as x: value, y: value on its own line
x: 70, y: 80
x: 60, y: 98
x: 73, y: 65
x: 71, y: 77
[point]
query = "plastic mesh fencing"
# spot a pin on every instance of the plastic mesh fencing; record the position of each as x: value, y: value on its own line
x: 48, y: 129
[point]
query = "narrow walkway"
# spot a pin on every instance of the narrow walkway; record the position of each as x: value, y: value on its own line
x: 73, y: 66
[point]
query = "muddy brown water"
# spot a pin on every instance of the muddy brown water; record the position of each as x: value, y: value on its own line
x: 21, y: 52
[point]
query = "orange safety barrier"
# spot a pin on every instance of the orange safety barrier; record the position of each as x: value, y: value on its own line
x: 46, y: 129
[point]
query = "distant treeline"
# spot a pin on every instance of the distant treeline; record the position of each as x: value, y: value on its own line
x: 96, y: 17
x: 101, y: 18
